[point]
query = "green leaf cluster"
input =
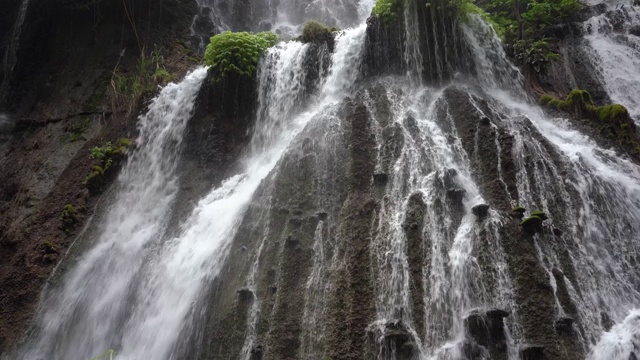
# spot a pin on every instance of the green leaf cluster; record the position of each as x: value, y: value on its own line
x: 237, y: 52
x: 525, y: 24
x: 105, y: 156
x: 387, y: 10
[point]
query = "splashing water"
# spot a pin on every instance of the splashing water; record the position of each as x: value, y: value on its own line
x: 617, y: 54
x: 88, y: 314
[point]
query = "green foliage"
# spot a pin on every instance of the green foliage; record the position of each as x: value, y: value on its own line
x: 525, y: 24
x: 530, y: 220
x: 612, y: 112
x: 538, y: 54
x: 237, y: 52
x: 545, y: 99
x: 613, y: 120
x: 519, y: 209
x: 49, y: 247
x: 314, y: 31
x: 104, y: 157
x: 128, y: 89
x: 387, y: 10
x: 540, y: 214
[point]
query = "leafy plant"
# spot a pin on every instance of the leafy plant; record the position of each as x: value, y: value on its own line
x: 387, y: 10
x: 237, y: 52
x: 105, y: 156
x: 538, y: 54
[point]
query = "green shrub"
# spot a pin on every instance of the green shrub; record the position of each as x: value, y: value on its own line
x: 610, y: 113
x: 537, y: 54
x: 105, y: 156
x: 237, y: 52
x: 314, y: 31
x: 387, y: 10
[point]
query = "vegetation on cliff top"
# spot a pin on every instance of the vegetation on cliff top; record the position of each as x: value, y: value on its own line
x: 314, y: 31
x: 612, y: 120
x: 386, y: 10
x: 526, y: 25
x: 237, y: 52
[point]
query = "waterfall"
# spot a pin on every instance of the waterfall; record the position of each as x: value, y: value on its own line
x: 616, y: 52
x: 595, y: 194
x: 373, y: 209
x: 101, y: 296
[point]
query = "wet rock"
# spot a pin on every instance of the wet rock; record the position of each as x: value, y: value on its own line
x: 245, y: 294
x: 539, y: 213
x: 456, y: 195
x: 472, y: 351
x: 480, y: 210
x: 606, y: 321
x: 518, y: 212
x: 307, y: 146
x: 532, y: 225
x: 408, y: 351
x: 475, y: 326
x: 295, y: 222
x: 497, y: 313
x: 557, y: 232
x: 244, y: 248
x: 291, y: 241
x: 322, y: 215
x: 564, y: 325
x: 557, y: 273
x: 257, y: 353
x: 397, y: 331
x: 635, y: 30
x: 449, y: 178
x: 273, y: 289
x: 380, y: 179
x: 485, y: 121
x: 532, y: 352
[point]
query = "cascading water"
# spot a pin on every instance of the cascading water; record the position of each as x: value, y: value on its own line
x: 93, y: 310
x: 617, y: 52
x: 436, y: 262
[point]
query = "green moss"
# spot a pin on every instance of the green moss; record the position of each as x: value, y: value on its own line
x: 540, y: 214
x: 530, y: 220
x: 237, y: 52
x: 105, y: 156
x: 387, y: 10
x: 314, y: 31
x: 556, y: 104
x: 545, y: 99
x: 49, y: 247
x: 519, y: 209
x: 610, y: 113
x: 579, y: 97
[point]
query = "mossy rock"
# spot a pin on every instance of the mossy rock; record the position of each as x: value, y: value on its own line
x: 519, y: 209
x: 315, y: 32
x: 545, y: 98
x: 539, y: 213
x: 532, y: 224
x: 387, y: 10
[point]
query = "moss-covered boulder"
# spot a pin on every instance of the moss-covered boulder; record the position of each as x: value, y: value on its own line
x: 539, y: 213
x: 317, y: 33
x: 532, y: 225
x: 613, y: 121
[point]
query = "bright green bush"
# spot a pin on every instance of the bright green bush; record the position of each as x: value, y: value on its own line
x: 387, y: 10
x: 237, y: 52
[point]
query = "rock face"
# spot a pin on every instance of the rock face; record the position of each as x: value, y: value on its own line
x: 58, y: 107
